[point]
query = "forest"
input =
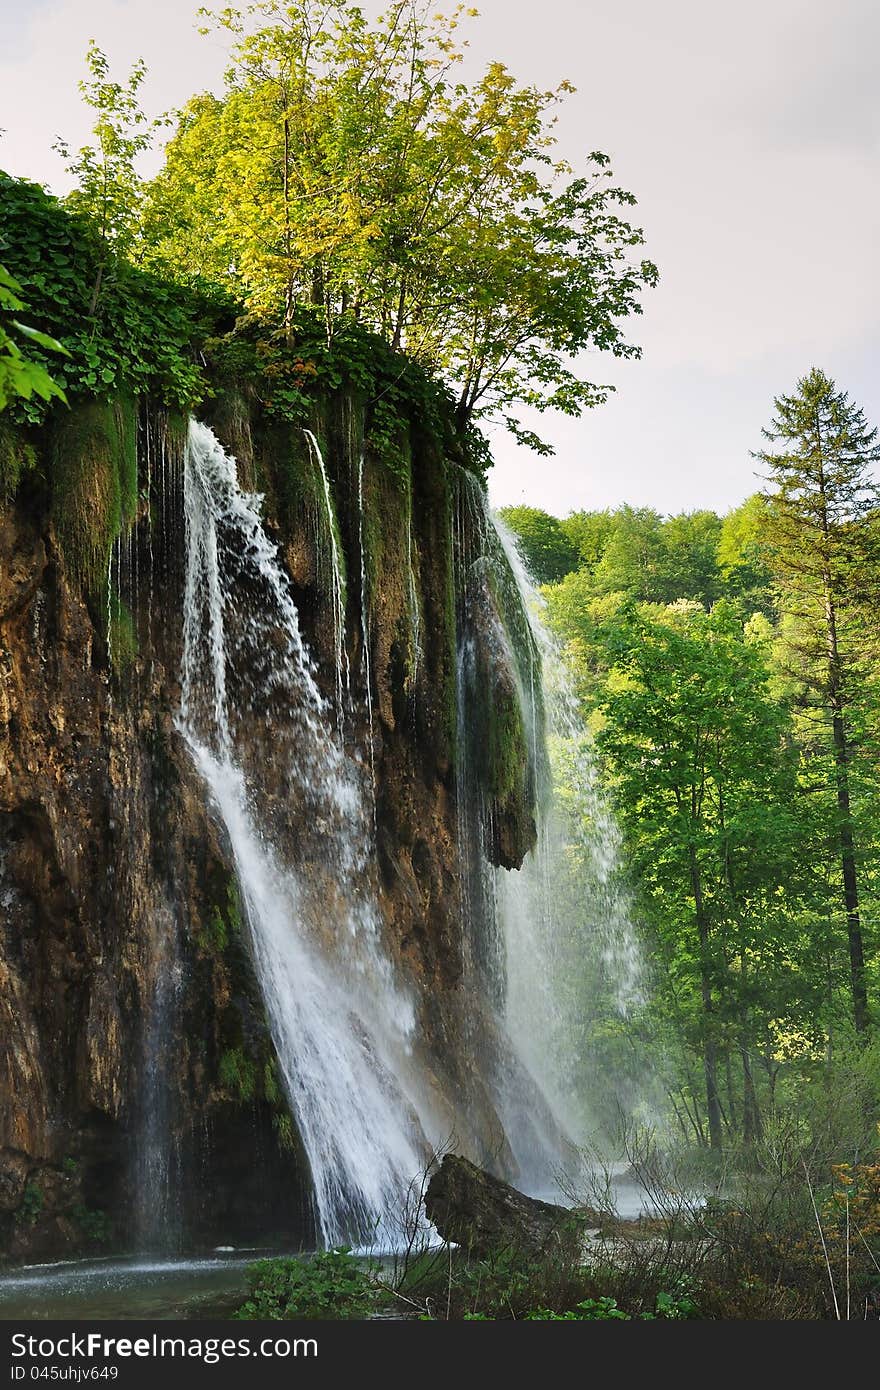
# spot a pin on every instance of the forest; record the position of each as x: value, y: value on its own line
x: 355, y: 248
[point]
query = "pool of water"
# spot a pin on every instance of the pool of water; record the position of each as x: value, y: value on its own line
x: 205, y: 1286
x: 128, y: 1287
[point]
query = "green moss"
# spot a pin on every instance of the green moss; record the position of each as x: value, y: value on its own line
x: 252, y: 1079
x: 283, y: 1125
x: 507, y: 749
x: 17, y: 457
x: 216, y: 931
x: 223, y: 923
x: 177, y: 429
x: 271, y: 1089
x: 32, y: 1203
x: 233, y: 906
x: 122, y: 636
x: 238, y: 1073
x: 329, y: 533
x: 94, y: 484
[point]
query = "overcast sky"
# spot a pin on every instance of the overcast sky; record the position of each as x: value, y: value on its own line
x: 749, y: 133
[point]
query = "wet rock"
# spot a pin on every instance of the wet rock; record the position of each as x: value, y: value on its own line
x: 13, y: 1177
x: 482, y: 1214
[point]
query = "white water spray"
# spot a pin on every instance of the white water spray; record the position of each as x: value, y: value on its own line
x: 565, y: 915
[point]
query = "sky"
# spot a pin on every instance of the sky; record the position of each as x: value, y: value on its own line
x: 749, y: 134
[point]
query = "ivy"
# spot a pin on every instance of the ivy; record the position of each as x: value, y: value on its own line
x: 143, y: 337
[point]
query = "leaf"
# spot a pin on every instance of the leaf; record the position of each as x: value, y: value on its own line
x: 42, y: 338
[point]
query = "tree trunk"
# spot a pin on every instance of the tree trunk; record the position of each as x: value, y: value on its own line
x: 288, y: 288
x: 710, y: 1056
x: 845, y: 833
x: 850, y: 882
x: 752, y: 1125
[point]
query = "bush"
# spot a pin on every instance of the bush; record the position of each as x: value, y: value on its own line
x: 331, y: 1284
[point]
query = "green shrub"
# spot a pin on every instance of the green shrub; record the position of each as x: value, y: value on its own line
x: 31, y: 1203
x: 93, y: 1224
x: 331, y: 1284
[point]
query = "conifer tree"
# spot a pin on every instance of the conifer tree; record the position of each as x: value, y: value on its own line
x: 819, y: 536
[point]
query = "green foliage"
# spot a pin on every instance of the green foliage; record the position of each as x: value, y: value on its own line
x: 108, y: 188
x: 22, y: 378
x: 238, y: 1073
x: 32, y: 1203
x: 588, y: 1310
x: 224, y: 919
x: 95, y: 1225
x: 345, y: 167
x: 216, y: 930
x: 730, y: 670
x: 546, y: 548
x: 505, y: 1285
x: 742, y: 556
x: 283, y: 1126
x: 285, y: 370
x: 821, y: 540
x: 330, y: 1284
x: 139, y: 339
x: 589, y: 533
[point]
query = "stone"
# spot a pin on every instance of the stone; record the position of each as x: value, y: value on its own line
x: 471, y: 1208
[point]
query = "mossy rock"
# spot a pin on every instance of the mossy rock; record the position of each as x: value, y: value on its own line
x: 94, y: 475
x: 18, y: 456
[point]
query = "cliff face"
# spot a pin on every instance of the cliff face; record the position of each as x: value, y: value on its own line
x: 139, y: 1092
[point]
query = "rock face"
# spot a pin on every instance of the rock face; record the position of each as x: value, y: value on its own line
x: 130, y: 1019
x: 483, y: 1215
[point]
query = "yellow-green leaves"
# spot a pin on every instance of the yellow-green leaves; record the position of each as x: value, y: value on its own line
x: 348, y: 169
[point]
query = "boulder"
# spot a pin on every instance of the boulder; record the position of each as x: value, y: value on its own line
x: 482, y: 1214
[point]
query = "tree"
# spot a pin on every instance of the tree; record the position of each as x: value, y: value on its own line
x: 705, y: 788
x: 547, y: 551
x: 109, y: 188
x: 589, y: 533
x: 632, y: 559
x: 688, y: 564
x: 745, y: 574
x: 346, y: 167
x: 820, y: 542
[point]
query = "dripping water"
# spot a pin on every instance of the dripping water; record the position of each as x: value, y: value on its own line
x: 365, y: 631
x: 338, y: 582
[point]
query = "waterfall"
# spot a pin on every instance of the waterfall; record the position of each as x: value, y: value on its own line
x: 565, y: 915
x: 263, y: 739
x: 370, y: 1102
x: 412, y: 591
x: 552, y: 938
x: 365, y: 628
x: 337, y: 580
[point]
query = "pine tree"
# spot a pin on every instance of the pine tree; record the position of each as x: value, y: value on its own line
x: 818, y: 537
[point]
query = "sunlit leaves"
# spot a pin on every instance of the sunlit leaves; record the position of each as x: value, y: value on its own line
x: 347, y: 167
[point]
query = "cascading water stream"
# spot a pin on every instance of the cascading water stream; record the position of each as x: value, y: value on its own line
x: 338, y: 583
x: 369, y: 1101
x: 365, y: 629
x: 252, y: 713
x: 564, y: 916
x: 548, y: 938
